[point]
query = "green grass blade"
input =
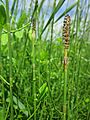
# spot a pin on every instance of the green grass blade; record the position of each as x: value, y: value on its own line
x: 41, y: 4
x: 4, y: 80
x: 13, y: 7
x: 66, y: 11
x: 53, y: 13
x: 35, y: 8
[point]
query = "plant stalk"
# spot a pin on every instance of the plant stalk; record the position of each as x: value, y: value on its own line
x: 65, y: 82
x: 10, y: 59
x: 33, y: 63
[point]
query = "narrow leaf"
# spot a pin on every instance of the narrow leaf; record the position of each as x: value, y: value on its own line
x: 35, y: 8
x: 13, y: 6
x: 4, y: 80
x: 66, y: 11
x: 41, y: 4
x: 42, y: 88
x: 53, y: 13
x: 2, y: 15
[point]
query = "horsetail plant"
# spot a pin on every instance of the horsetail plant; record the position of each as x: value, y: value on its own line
x: 2, y: 22
x: 33, y: 61
x: 3, y: 90
x: 66, y: 34
x: 10, y: 58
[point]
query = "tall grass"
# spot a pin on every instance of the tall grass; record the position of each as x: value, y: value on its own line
x: 32, y: 61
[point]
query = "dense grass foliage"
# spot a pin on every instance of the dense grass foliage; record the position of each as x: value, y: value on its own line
x: 32, y: 73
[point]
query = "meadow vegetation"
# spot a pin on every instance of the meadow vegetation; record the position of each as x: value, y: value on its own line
x: 33, y: 82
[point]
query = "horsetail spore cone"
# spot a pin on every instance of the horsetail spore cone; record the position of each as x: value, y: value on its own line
x: 66, y: 31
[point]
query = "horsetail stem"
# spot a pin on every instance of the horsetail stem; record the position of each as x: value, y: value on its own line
x: 33, y: 62
x: 10, y: 59
x: 66, y: 31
